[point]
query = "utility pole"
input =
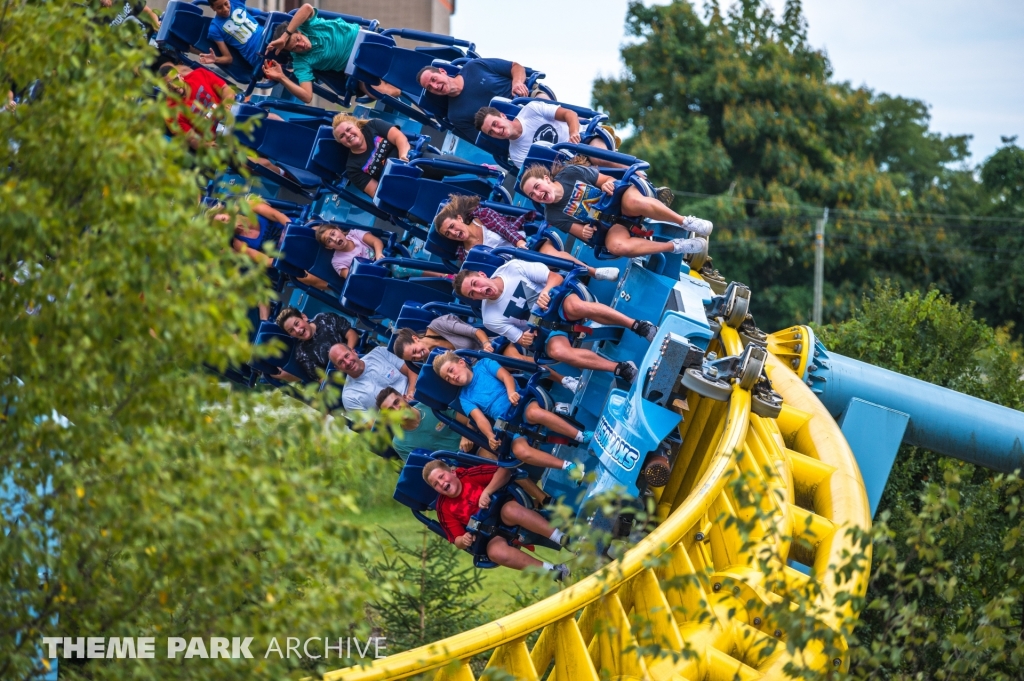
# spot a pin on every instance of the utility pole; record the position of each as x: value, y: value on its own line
x: 819, y: 266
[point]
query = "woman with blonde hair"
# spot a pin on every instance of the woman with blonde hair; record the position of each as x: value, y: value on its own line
x: 371, y: 142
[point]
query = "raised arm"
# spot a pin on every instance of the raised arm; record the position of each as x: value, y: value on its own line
x: 223, y: 59
x: 484, y: 426
x: 412, y: 376
x: 301, y: 16
x: 273, y: 71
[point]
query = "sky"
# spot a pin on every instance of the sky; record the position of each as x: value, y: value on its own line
x: 965, y: 58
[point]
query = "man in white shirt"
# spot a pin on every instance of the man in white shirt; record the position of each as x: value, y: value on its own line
x: 369, y: 374
x: 508, y: 296
x: 536, y: 122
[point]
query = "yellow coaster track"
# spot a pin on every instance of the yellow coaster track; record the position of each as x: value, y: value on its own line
x: 697, y: 586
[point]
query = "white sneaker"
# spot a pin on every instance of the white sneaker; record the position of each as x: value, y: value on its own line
x: 698, y: 226
x: 563, y: 408
x: 688, y: 245
x: 571, y: 383
x: 606, y: 273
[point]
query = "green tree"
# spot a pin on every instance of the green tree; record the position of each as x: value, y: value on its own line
x: 139, y: 497
x: 947, y: 586
x: 737, y: 104
x: 438, y: 594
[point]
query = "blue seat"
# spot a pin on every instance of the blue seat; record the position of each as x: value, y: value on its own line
x: 269, y: 332
x: 375, y: 295
x: 288, y: 145
x: 404, y: 191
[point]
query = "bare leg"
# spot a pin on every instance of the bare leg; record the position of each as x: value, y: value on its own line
x: 636, y: 204
x: 538, y: 416
x: 510, y: 351
x: 619, y: 242
x: 535, y: 457
x: 501, y: 553
x: 513, y: 513
x: 575, y: 308
x: 560, y: 350
x: 531, y: 488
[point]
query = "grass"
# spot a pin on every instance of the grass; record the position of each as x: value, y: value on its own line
x: 501, y: 585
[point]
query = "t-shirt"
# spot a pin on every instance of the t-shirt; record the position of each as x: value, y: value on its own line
x: 343, y: 259
x: 494, y: 240
x: 332, y: 41
x: 369, y: 165
x: 383, y: 369
x: 485, y: 391
x: 483, y: 79
x: 129, y: 12
x: 454, y: 513
x: 204, y: 93
x: 426, y: 436
x: 539, y: 125
x: 554, y: 213
x: 240, y: 30
x: 314, y: 353
x: 509, y: 315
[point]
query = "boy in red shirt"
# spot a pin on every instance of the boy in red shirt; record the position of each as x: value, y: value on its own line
x: 464, y: 491
x: 198, y: 90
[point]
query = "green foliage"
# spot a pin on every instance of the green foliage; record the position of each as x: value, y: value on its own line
x: 946, y: 576
x: 150, y: 500
x: 435, y: 597
x: 738, y: 113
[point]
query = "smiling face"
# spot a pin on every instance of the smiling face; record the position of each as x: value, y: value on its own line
x: 221, y: 8
x: 445, y: 482
x: 436, y: 83
x: 298, y: 328
x: 344, y: 358
x: 454, y: 229
x: 416, y: 351
x: 542, y: 190
x: 457, y: 373
x: 349, y: 135
x: 176, y: 83
x: 479, y: 287
x: 497, y: 127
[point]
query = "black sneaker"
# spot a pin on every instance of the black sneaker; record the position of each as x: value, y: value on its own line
x: 645, y: 330
x: 564, y: 541
x: 627, y: 371
x: 561, y: 572
x: 665, y: 195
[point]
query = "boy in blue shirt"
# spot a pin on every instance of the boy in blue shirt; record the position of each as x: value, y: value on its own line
x: 234, y: 26
x: 488, y: 392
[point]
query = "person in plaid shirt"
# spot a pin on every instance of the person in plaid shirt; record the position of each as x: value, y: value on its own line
x: 463, y: 220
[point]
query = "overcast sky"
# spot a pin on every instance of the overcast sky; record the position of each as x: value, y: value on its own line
x: 964, y: 58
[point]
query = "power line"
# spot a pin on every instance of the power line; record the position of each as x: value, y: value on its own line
x: 850, y: 211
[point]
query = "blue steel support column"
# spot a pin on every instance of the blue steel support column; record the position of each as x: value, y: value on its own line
x: 941, y: 420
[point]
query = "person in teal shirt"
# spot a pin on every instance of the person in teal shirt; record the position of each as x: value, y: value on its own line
x: 422, y: 430
x: 314, y: 43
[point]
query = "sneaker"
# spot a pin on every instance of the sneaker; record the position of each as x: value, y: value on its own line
x: 698, y: 226
x: 571, y: 383
x: 606, y: 273
x: 562, y: 408
x: 564, y: 540
x: 645, y: 330
x: 665, y: 195
x: 695, y: 245
x: 561, y: 572
x: 585, y: 437
x: 627, y: 371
